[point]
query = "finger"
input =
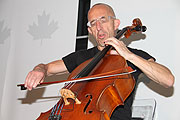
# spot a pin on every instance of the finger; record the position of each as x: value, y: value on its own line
x: 42, y: 80
x: 36, y: 81
x: 113, y: 52
x: 112, y: 43
x: 39, y: 80
x: 27, y: 79
x: 31, y: 81
x: 112, y: 40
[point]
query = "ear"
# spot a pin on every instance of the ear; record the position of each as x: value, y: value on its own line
x: 116, y: 24
x: 89, y: 30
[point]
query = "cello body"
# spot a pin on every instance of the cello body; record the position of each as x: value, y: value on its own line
x: 98, y: 98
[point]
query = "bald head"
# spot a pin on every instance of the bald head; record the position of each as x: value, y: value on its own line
x: 101, y: 7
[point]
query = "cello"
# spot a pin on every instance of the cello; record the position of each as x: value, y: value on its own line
x: 97, y: 86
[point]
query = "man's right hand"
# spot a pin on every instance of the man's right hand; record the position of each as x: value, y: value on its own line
x: 34, y: 78
x: 37, y: 75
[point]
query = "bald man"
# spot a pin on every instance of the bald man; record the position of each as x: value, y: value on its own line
x: 102, y: 25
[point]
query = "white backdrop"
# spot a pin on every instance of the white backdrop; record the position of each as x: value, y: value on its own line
x: 33, y: 32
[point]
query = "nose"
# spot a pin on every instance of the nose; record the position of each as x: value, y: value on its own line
x: 98, y: 25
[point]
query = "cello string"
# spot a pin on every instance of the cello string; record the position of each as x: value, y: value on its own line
x: 61, y: 108
x: 52, y: 111
x: 67, y: 84
x: 72, y: 85
x: 57, y: 109
x: 67, y: 87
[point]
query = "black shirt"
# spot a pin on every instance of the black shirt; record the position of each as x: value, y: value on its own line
x: 76, y: 58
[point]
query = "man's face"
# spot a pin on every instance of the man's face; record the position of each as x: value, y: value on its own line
x: 102, y: 24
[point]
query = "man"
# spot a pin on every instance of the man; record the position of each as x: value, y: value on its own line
x: 102, y: 25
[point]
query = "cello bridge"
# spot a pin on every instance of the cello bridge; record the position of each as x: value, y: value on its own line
x: 66, y: 93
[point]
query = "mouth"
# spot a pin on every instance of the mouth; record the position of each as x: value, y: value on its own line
x: 101, y: 36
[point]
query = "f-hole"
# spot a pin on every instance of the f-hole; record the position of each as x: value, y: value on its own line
x: 85, y: 108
